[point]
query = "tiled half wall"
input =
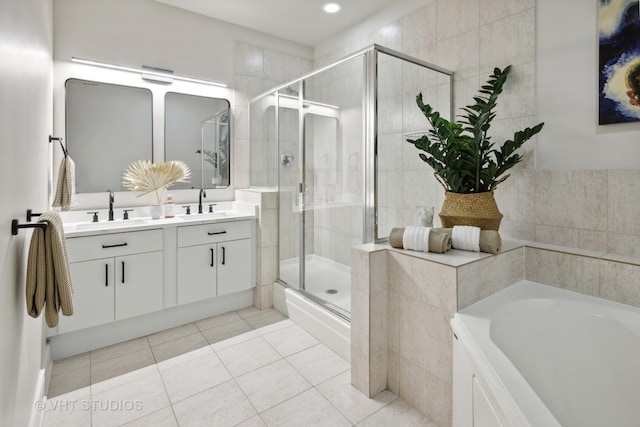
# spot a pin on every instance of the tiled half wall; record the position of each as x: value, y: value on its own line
x: 403, y: 301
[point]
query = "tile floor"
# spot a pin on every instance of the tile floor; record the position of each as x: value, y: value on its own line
x: 244, y: 368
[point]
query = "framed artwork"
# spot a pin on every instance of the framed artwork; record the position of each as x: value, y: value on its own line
x: 619, y: 55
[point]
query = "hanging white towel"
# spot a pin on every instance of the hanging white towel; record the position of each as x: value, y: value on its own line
x: 49, y: 286
x: 416, y: 238
x: 466, y: 238
x: 65, y: 197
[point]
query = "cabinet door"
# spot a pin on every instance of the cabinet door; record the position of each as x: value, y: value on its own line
x: 234, y: 266
x: 93, y: 295
x: 138, y: 287
x: 196, y: 273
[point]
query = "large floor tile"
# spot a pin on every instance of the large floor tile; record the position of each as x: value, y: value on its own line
x: 69, y: 409
x: 221, y: 319
x: 226, y: 331
x: 220, y: 406
x: 291, y: 340
x: 318, y: 364
x: 162, y: 418
x: 275, y: 326
x: 117, y: 366
x: 231, y: 341
x: 65, y: 379
x: 247, y: 356
x: 172, y: 334
x: 253, y: 422
x: 350, y: 401
x: 397, y: 413
x: 119, y: 349
x: 128, y: 402
x: 179, y: 347
x: 272, y: 384
x: 71, y: 364
x: 191, y: 377
x: 265, y: 318
x: 248, y: 312
x: 308, y: 409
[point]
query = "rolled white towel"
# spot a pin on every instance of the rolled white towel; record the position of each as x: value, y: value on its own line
x: 416, y: 238
x: 466, y: 238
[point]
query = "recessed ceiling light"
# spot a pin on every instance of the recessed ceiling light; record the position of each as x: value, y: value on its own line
x: 331, y: 7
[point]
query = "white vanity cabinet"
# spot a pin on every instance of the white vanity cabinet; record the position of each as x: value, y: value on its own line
x: 115, y: 276
x: 214, y: 259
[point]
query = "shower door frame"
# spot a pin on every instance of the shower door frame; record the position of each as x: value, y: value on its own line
x: 370, y: 148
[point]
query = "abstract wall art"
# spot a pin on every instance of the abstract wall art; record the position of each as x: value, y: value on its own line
x: 619, y: 55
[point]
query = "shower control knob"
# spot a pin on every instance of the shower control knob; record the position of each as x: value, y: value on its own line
x: 286, y: 159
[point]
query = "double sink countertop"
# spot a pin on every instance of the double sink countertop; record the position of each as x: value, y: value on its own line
x: 140, y: 220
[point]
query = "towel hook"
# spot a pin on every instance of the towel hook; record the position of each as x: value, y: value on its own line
x: 59, y: 139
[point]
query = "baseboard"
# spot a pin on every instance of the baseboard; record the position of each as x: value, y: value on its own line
x: 72, y: 343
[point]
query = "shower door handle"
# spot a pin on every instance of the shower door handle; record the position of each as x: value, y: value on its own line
x: 301, y: 196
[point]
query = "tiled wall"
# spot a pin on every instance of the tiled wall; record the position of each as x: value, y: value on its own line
x: 402, y: 304
x: 267, y: 250
x: 256, y: 70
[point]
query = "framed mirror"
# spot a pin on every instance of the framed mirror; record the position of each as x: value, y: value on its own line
x: 107, y: 127
x: 197, y: 131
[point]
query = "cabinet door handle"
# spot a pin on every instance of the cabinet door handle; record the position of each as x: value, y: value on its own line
x: 123, y: 272
x: 106, y: 274
x: 114, y: 246
x: 223, y: 253
x: 211, y: 249
x: 216, y: 232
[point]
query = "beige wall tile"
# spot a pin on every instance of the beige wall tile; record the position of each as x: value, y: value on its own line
x: 428, y: 282
x: 426, y: 347
x: 508, y: 41
x: 572, y: 237
x: 493, y: 10
x: 623, y: 200
x: 583, y: 191
x: 419, y: 28
x: 456, y: 17
x: 572, y: 272
x: 515, y: 197
x: 623, y: 244
x: 620, y: 282
x: 483, y: 278
x: 461, y: 54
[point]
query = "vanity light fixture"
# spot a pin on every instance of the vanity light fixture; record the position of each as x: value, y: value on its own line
x: 331, y: 7
x: 148, y: 73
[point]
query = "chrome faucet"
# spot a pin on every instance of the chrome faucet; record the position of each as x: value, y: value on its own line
x: 111, y: 200
x: 202, y: 194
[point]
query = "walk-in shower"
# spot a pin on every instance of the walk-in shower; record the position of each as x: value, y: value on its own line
x: 331, y: 142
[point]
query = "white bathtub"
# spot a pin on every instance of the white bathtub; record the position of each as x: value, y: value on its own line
x: 535, y: 355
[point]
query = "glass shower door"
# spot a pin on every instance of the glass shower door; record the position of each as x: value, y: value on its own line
x: 290, y: 182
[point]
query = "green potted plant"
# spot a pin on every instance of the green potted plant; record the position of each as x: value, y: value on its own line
x: 465, y: 160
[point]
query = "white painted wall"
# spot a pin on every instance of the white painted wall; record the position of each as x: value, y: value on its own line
x: 567, y: 93
x: 25, y: 124
x: 146, y: 32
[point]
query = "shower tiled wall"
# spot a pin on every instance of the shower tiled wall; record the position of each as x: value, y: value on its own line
x: 257, y: 70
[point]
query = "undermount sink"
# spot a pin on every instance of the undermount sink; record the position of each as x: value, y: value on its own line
x: 109, y: 224
x: 206, y: 215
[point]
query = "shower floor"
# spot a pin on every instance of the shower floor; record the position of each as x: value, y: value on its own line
x: 321, y: 275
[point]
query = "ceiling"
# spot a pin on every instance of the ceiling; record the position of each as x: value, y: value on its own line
x: 302, y: 21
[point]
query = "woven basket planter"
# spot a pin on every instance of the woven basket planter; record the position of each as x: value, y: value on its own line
x: 476, y: 209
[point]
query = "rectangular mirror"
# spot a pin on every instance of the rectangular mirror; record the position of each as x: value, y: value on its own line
x: 197, y: 132
x: 108, y: 126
